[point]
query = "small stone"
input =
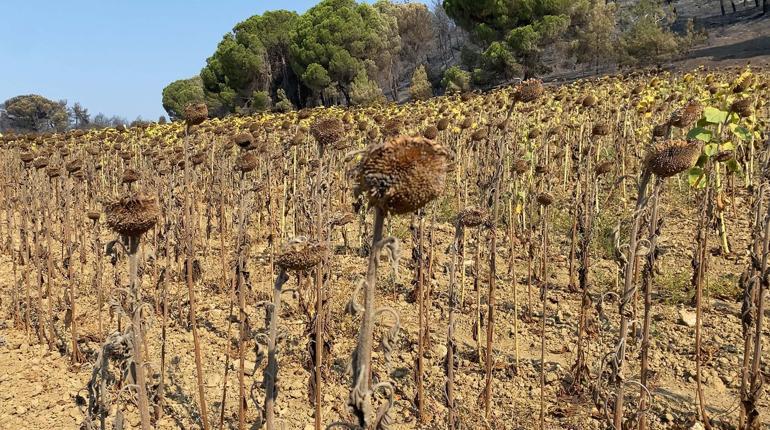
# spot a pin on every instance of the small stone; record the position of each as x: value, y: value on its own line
x: 686, y: 318
x: 697, y: 426
x: 248, y: 367
x: 440, y: 351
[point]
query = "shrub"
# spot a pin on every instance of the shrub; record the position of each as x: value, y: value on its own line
x: 456, y: 80
x: 260, y: 101
x: 420, y: 88
x: 283, y: 104
x: 365, y: 92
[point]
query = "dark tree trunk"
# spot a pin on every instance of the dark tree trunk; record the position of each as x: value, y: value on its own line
x: 722, y: 6
x: 346, y: 94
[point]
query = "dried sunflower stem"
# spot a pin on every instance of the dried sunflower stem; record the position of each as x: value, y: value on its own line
x: 584, y: 215
x: 497, y: 181
x: 749, y: 281
x: 37, y: 225
x: 76, y: 356
x: 159, y: 407
x: 98, y: 275
x: 628, y: 291
x: 450, y: 344
x: 421, y: 320
x: 514, y: 282
x: 647, y: 283
x: 271, y: 371
x: 699, y: 265
x: 231, y: 295
x: 360, y: 399
x: 755, y: 286
x: 542, y: 317
x: 319, y: 314
x: 8, y: 247
x: 189, y: 220
x: 133, y: 267
x: 753, y: 421
x: 242, y: 329
x: 49, y: 285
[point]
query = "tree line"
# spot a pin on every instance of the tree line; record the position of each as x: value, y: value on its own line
x: 346, y: 52
x: 37, y: 114
x: 339, y: 51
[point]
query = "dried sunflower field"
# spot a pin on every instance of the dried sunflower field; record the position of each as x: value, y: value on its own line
x: 586, y: 256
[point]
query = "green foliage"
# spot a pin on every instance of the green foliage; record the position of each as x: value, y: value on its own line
x: 283, y: 104
x: 343, y: 67
x: 499, y: 61
x: 523, y: 39
x: 714, y: 116
x: 700, y: 133
x: 179, y: 94
x: 254, y: 55
x: 420, y: 89
x: 596, y: 31
x: 720, y: 131
x: 316, y: 77
x: 273, y: 29
x: 229, y: 74
x: 35, y: 113
x: 647, y: 37
x: 598, y: 40
x: 483, y: 77
x: 551, y: 27
x: 526, y: 26
x: 456, y: 80
x: 260, y: 101
x: 337, y: 36
x: 365, y: 92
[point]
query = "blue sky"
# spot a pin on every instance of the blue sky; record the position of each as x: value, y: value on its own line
x: 114, y: 56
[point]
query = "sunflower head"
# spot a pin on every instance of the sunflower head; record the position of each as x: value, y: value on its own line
x: 672, y: 157
x: 403, y: 174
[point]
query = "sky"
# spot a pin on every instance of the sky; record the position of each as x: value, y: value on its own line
x: 113, y: 56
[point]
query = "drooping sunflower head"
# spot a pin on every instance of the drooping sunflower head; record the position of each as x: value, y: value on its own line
x: 672, y: 157
x: 132, y: 215
x: 472, y: 216
x: 196, y: 113
x: 403, y: 174
x: 327, y: 131
x: 300, y: 255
